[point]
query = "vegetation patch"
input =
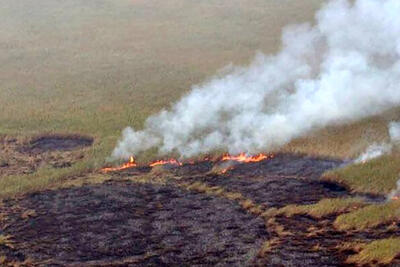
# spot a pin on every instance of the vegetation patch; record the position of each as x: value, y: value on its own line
x: 378, y: 176
x: 43, y: 178
x: 382, y: 251
x: 5, y: 240
x: 25, y: 169
x: 324, y: 207
x: 369, y: 216
x: 268, y: 246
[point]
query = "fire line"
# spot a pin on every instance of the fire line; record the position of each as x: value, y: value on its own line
x: 242, y: 157
x: 124, y: 166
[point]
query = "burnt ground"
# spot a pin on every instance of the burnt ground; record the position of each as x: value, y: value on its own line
x: 285, y: 179
x: 19, y: 156
x: 126, y: 223
x: 46, y: 143
x: 147, y: 224
x: 307, y: 241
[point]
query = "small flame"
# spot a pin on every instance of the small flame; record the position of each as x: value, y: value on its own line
x: 242, y: 157
x: 396, y: 198
x: 124, y: 166
x: 163, y: 162
x: 226, y: 170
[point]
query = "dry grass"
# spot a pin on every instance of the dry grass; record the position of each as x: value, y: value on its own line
x: 96, y: 82
x: 216, y: 191
x: 369, y: 216
x: 106, y: 69
x: 268, y: 246
x: 345, y: 140
x: 377, y: 176
x: 3, y: 259
x: 377, y: 252
x: 5, y: 240
x: 28, y: 214
x: 321, y: 209
x: 99, y: 66
x: 44, y: 178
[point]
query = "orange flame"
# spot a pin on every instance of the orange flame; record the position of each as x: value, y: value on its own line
x: 242, y: 157
x: 396, y: 198
x: 226, y: 170
x: 124, y: 166
x: 163, y: 162
x: 239, y: 158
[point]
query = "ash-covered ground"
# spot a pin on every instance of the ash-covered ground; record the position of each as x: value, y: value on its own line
x: 153, y: 217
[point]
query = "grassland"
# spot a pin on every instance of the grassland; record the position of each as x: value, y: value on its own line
x: 370, y: 216
x: 102, y: 65
x: 321, y: 209
x: 380, y: 252
x: 378, y: 176
x: 113, y: 65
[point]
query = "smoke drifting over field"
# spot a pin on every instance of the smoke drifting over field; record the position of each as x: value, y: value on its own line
x: 394, y: 132
x: 377, y: 150
x: 374, y: 151
x: 344, y: 68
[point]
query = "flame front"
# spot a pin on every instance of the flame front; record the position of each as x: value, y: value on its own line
x: 242, y: 157
x: 163, y: 162
x: 124, y: 166
x: 239, y: 158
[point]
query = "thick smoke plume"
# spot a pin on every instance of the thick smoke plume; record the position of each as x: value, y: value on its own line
x: 345, y: 67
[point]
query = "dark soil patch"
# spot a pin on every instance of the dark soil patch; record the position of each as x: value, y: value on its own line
x: 149, y: 225
x: 57, y: 142
x: 19, y: 157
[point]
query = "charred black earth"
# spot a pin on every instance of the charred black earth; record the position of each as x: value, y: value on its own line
x: 147, y: 225
x: 126, y: 223
x: 57, y: 142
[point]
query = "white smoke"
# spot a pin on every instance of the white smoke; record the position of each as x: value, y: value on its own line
x: 377, y: 150
x: 395, y: 194
x: 374, y: 151
x: 394, y: 132
x: 344, y: 68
